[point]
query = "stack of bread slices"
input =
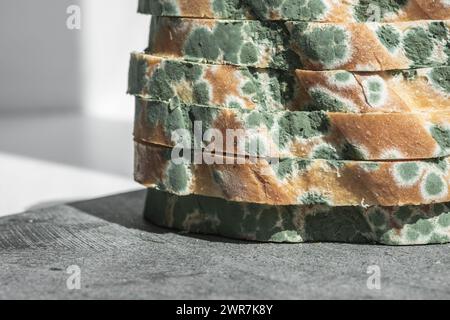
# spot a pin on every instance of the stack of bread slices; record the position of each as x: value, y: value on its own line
x: 296, y: 120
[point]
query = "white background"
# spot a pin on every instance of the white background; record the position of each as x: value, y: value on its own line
x: 65, y: 120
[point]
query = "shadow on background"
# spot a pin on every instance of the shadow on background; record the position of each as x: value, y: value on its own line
x: 127, y: 210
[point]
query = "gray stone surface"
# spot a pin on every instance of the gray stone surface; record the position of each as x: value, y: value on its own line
x: 122, y: 256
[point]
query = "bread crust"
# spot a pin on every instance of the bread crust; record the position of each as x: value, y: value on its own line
x: 410, y: 225
x: 294, y: 181
x: 309, y: 135
x: 302, y: 45
x: 371, y: 46
x: 322, y: 11
x: 417, y: 90
x: 162, y: 79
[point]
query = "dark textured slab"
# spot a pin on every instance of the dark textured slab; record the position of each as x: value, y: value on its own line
x: 122, y: 256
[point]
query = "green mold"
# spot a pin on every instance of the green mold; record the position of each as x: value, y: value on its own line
x: 297, y: 223
x: 294, y: 45
x: 228, y: 38
x: 137, y: 75
x: 160, y: 85
x: 444, y: 219
x: 302, y: 125
x: 248, y: 54
x: 309, y: 135
x: 377, y: 218
x: 367, y: 10
x: 312, y: 198
x: 408, y: 75
x: 201, y: 92
x: 343, y: 76
x: 256, y: 119
x: 403, y: 214
x: 306, y: 10
x: 374, y: 91
x: 192, y: 72
x: 170, y: 120
x: 408, y: 172
x: 225, y: 43
x: 418, y: 46
x: 438, y: 30
x: 160, y: 8
x: 326, y: 152
x: 301, y: 10
x: 285, y: 168
x: 173, y: 72
x: 323, y: 224
x: 177, y: 178
x: 322, y: 100
x: 350, y: 151
x: 285, y: 236
x: 412, y: 235
x: 250, y: 88
x: 434, y: 184
x: 389, y: 37
x: 327, y: 45
x: 440, y: 77
x: 202, y: 44
x: 423, y: 227
x: 442, y: 136
x: 226, y: 8
x: 187, y: 82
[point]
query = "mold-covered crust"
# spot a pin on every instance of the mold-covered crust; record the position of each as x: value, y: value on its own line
x: 293, y: 181
x: 302, y: 45
x: 306, y: 10
x: 156, y: 78
x: 309, y: 135
x: 371, y: 46
x: 415, y: 90
x: 244, y: 43
x: 409, y: 225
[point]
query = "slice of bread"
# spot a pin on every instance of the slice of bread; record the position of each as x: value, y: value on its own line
x: 293, y: 181
x: 162, y: 79
x: 417, y: 90
x: 409, y: 225
x: 303, y: 45
x: 426, y: 89
x: 244, y: 43
x: 371, y: 46
x: 309, y: 135
x: 308, y: 10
